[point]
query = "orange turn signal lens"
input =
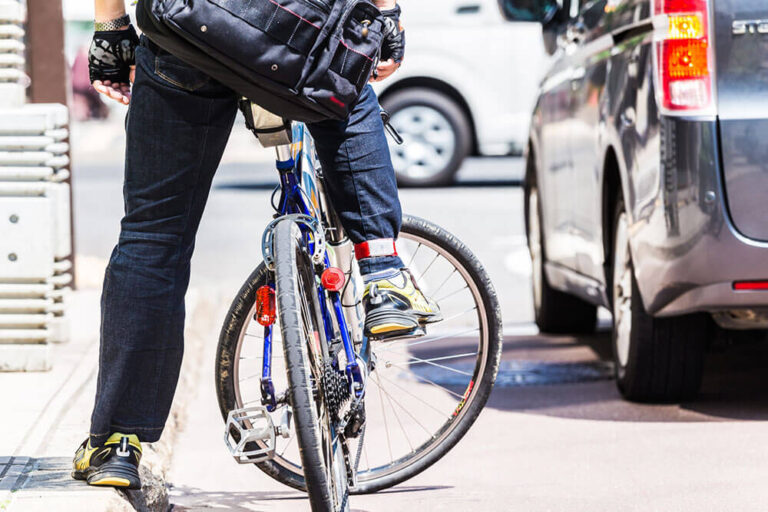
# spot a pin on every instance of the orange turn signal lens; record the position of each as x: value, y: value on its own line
x: 685, y: 26
x: 266, y: 309
x: 686, y: 59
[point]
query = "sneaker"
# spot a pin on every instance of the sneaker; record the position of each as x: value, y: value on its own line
x: 395, y: 307
x: 114, y: 464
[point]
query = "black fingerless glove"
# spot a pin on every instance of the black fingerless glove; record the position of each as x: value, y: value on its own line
x: 112, y: 54
x: 393, y: 46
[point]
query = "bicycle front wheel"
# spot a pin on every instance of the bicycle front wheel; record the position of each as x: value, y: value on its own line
x: 305, y: 351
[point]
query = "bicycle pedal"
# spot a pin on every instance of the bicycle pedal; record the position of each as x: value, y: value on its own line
x: 245, y: 427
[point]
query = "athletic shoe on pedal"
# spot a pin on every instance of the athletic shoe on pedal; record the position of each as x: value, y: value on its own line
x: 113, y: 464
x: 395, y: 307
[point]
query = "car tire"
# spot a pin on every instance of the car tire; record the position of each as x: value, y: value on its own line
x: 437, y: 136
x: 657, y: 360
x: 556, y: 312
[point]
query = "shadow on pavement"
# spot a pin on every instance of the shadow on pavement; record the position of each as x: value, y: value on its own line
x: 189, y: 498
x: 270, y: 184
x: 247, y: 185
x: 734, y: 387
x: 479, y: 183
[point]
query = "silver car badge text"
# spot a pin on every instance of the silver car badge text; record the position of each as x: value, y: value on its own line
x: 741, y: 27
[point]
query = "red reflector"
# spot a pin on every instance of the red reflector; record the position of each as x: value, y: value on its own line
x: 750, y: 285
x: 266, y: 310
x: 333, y: 279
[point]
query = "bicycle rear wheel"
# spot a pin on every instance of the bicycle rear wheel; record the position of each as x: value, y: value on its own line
x: 305, y: 351
x: 424, y: 393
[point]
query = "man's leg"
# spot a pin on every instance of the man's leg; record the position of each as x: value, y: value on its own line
x: 363, y: 189
x: 360, y: 177
x: 177, y: 127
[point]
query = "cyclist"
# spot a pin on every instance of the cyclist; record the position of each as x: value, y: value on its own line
x: 178, y: 123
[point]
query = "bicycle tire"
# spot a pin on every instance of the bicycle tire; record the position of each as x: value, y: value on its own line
x: 238, y: 317
x: 295, y: 282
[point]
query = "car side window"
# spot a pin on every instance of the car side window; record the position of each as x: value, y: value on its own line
x: 528, y: 10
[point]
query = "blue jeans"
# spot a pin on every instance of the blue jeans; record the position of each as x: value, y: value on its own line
x: 177, y: 127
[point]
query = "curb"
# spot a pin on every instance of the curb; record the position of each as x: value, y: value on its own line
x: 201, y: 327
x: 35, y: 474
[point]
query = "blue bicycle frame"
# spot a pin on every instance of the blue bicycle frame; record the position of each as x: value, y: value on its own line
x: 299, y: 195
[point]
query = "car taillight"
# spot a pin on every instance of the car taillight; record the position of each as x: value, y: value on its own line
x: 266, y: 309
x: 684, y: 58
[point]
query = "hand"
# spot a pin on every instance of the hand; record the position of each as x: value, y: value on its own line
x: 111, y: 63
x: 384, y: 70
x: 393, y: 46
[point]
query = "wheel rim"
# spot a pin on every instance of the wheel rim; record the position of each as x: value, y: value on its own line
x: 534, y: 246
x: 622, y: 292
x: 428, y: 258
x: 429, y: 142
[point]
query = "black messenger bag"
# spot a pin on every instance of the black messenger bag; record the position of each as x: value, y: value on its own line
x: 305, y: 60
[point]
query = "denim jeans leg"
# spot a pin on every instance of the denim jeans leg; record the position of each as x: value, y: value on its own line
x: 178, y: 124
x: 360, y: 177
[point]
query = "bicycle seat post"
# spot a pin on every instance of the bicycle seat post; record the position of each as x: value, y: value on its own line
x: 283, y: 152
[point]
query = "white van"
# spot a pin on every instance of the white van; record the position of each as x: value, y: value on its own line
x: 467, y: 86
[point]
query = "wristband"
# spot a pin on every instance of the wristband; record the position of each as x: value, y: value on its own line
x: 116, y: 24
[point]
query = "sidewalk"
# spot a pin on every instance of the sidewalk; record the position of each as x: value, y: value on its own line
x: 45, y: 416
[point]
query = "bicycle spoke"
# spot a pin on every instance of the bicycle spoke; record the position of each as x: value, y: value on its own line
x: 391, y: 344
x: 386, y: 427
x: 416, y: 360
x: 435, y: 384
x: 451, y: 294
x: 444, y: 282
x: 437, y: 365
x: 409, y: 414
x: 290, y: 440
x: 414, y: 255
x: 424, y: 273
x: 397, y: 417
x: 442, y: 413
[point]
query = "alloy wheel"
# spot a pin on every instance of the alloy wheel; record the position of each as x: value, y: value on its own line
x: 622, y: 292
x: 429, y: 142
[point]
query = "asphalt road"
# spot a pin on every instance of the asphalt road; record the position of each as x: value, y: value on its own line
x: 544, y: 443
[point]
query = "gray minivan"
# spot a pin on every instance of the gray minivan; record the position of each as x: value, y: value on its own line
x: 647, y: 180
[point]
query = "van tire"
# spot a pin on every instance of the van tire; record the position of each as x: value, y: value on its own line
x: 457, y: 119
x: 657, y: 360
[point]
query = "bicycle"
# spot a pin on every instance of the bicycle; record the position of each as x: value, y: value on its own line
x: 296, y: 329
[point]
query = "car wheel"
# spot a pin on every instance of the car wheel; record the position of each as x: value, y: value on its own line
x: 555, y: 311
x: 436, y: 134
x: 656, y: 359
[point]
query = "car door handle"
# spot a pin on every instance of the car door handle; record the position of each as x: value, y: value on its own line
x: 468, y: 9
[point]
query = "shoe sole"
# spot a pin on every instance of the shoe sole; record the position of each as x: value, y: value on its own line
x: 112, y: 474
x: 388, y: 325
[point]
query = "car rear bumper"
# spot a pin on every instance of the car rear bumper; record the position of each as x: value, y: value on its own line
x: 686, y: 250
